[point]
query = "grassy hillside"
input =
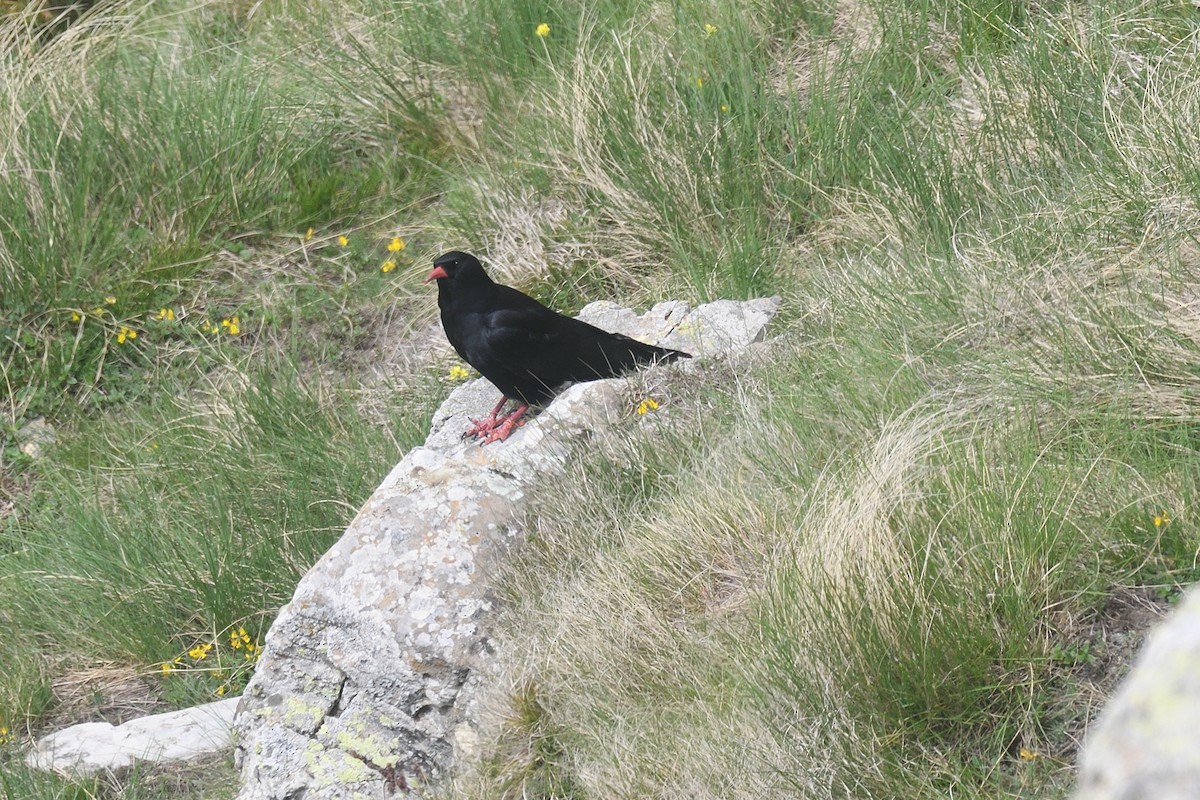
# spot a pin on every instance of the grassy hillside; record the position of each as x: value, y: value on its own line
x: 904, y: 550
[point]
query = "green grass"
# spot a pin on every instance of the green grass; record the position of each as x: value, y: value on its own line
x: 878, y: 559
x: 211, y: 778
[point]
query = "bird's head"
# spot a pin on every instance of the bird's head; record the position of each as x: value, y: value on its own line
x: 456, y: 266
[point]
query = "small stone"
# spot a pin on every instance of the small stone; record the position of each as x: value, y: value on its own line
x: 96, y: 747
x: 34, y: 436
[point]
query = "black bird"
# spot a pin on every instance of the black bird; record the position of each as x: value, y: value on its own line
x: 528, y: 351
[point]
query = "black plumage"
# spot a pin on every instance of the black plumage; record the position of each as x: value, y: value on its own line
x: 527, y: 350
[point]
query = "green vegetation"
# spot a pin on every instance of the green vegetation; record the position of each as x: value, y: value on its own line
x: 881, y: 559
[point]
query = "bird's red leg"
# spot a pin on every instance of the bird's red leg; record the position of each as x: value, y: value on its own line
x: 503, y: 429
x: 487, y: 425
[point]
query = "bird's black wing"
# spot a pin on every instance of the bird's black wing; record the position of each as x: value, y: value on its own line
x: 538, y: 351
x: 505, y: 338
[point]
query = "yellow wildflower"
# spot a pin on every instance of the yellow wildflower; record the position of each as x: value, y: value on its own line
x: 75, y: 316
x: 109, y: 300
x: 388, y: 266
x: 126, y: 334
x: 98, y: 311
x: 166, y: 668
x: 221, y: 691
x: 699, y: 82
x: 238, y: 637
x: 1161, y: 519
x: 709, y: 29
x: 165, y: 313
x: 1027, y: 754
x: 724, y: 108
x: 5, y: 737
x: 397, y: 245
x: 647, y: 405
x: 542, y: 30
x: 200, y: 651
x: 231, y: 325
x: 343, y: 241
x: 308, y: 234
x: 458, y: 373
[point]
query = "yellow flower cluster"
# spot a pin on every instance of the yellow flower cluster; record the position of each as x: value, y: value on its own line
x: 397, y: 245
x: 647, y: 405
x: 394, y: 247
x: 1162, y: 519
x: 240, y: 640
x: 5, y: 736
x: 542, y: 30
x: 124, y: 334
x: 77, y: 314
x: 230, y: 675
x: 200, y: 651
x: 230, y: 325
x: 459, y: 373
x: 238, y: 637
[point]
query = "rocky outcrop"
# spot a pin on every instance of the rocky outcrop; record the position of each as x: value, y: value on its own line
x: 1146, y: 746
x: 366, y: 685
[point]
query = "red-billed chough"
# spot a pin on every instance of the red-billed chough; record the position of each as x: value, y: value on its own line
x: 528, y: 351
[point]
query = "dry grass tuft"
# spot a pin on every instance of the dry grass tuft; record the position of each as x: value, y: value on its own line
x: 113, y: 693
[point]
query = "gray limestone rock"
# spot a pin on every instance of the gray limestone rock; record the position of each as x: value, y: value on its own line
x: 1147, y: 744
x: 95, y: 747
x: 365, y: 686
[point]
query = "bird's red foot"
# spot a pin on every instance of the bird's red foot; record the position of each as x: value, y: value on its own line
x: 486, y: 426
x: 480, y: 428
x: 504, y: 428
x: 502, y: 431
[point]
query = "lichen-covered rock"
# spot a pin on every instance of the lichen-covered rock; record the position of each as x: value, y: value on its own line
x: 1146, y: 745
x: 365, y: 687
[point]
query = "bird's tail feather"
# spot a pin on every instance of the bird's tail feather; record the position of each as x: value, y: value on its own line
x: 620, y: 354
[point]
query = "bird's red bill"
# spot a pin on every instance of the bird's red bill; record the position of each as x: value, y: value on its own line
x: 436, y: 274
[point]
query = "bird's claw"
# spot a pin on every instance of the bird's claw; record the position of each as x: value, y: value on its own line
x: 502, y: 431
x: 482, y: 427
